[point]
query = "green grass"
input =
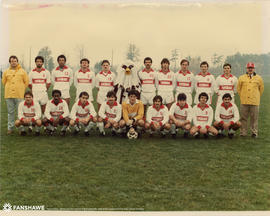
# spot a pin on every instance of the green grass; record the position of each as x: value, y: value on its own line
x: 150, y: 174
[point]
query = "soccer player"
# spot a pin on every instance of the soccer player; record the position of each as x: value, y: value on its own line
x: 227, y: 116
x: 39, y: 82
x: 204, y: 82
x: 104, y: 82
x: 133, y: 111
x: 165, y: 83
x: 56, y: 113
x: 184, y: 81
x: 84, y: 79
x: 226, y: 83
x: 62, y: 78
x: 110, y: 113
x: 202, y: 118
x: 147, y: 80
x: 157, y: 117
x: 83, y: 113
x: 180, y: 115
x: 29, y: 114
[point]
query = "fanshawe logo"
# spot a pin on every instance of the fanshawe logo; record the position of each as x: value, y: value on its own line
x: 184, y: 84
x: 7, y: 207
x: 203, y: 84
x: 180, y: 116
x: 61, y: 79
x: 39, y: 81
x: 202, y: 118
x: 226, y: 116
x: 107, y: 84
x: 81, y: 80
x: 148, y: 81
x: 226, y: 87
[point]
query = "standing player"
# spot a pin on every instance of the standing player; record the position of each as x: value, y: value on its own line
x: 56, y: 113
x: 110, y: 113
x: 181, y: 115
x: 202, y: 118
x: 227, y: 116
x: 184, y: 81
x: 84, y: 79
x: 147, y: 80
x: 29, y: 114
x: 104, y: 82
x: 39, y: 82
x: 165, y: 83
x: 83, y: 113
x: 226, y: 83
x: 204, y: 82
x: 133, y: 111
x: 62, y: 78
x: 157, y: 117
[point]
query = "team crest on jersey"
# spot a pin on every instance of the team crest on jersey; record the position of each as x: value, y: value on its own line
x: 109, y: 78
x: 185, y: 112
x: 188, y: 78
x: 230, y: 111
x: 208, y: 79
x: 32, y: 109
x: 60, y: 108
x: 86, y: 110
x: 151, y: 75
x: 66, y: 73
x: 169, y: 76
x: 206, y: 113
x: 43, y: 75
x: 88, y: 75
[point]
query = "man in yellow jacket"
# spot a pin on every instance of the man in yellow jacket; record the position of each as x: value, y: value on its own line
x: 250, y: 88
x: 15, y: 81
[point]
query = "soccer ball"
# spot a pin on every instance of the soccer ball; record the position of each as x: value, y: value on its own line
x: 132, y: 134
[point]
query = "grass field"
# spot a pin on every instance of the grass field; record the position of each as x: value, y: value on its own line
x: 149, y: 174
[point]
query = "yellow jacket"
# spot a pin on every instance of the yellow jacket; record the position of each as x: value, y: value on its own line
x: 250, y: 89
x: 136, y: 111
x: 15, y: 82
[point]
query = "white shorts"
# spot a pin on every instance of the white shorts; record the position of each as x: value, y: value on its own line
x: 147, y: 97
x: 101, y: 96
x: 196, y: 98
x: 189, y: 97
x: 41, y: 97
x: 78, y: 92
x: 167, y: 97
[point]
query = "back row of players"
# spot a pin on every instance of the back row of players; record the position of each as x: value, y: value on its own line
x: 110, y: 112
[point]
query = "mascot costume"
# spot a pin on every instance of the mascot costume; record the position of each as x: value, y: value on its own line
x: 126, y: 80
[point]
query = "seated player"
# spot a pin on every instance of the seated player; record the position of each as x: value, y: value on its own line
x: 56, y: 113
x: 29, y: 113
x: 202, y: 118
x: 180, y: 115
x: 157, y: 117
x: 83, y: 114
x: 227, y: 116
x: 110, y: 113
x: 133, y: 111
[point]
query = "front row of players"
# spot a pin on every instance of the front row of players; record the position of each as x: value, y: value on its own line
x: 158, y: 118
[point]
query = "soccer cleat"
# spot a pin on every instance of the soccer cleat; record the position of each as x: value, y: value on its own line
x: 185, y: 134
x: 37, y: 133
x: 230, y: 135
x: 76, y: 131
x: 196, y: 135
x: 174, y: 135
x: 206, y: 136
x: 23, y: 133
x: 254, y: 135
x: 102, y: 133
x: 113, y: 133
x: 63, y: 132
x: 139, y: 135
x: 163, y: 136
x: 86, y: 133
x: 30, y: 129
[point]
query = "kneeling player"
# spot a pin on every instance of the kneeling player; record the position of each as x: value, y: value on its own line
x: 29, y: 114
x: 157, y: 117
x: 180, y: 115
x: 202, y: 118
x: 109, y: 114
x: 83, y: 113
x: 56, y: 113
x: 133, y: 111
x: 227, y: 116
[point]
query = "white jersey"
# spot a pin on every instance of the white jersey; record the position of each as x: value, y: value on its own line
x: 106, y: 112
x: 105, y: 82
x: 79, y: 111
x: 181, y: 114
x: 33, y: 111
x: 147, y: 80
x: 84, y: 81
x: 202, y: 117
x: 184, y: 82
x: 204, y: 83
x: 160, y: 116
x: 228, y: 114
x: 62, y: 80
x: 54, y: 111
x: 39, y: 79
x: 226, y: 85
x: 165, y: 82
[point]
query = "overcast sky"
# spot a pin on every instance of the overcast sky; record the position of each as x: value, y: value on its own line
x: 194, y: 29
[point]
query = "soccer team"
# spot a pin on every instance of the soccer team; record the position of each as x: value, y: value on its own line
x: 155, y: 109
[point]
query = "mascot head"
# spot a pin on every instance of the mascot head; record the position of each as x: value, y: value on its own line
x: 127, y: 69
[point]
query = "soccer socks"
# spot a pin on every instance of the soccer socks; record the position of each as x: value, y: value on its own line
x: 100, y: 126
x: 231, y: 131
x: 139, y: 129
x: 22, y: 128
x: 173, y: 129
x: 165, y: 131
x: 89, y: 126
